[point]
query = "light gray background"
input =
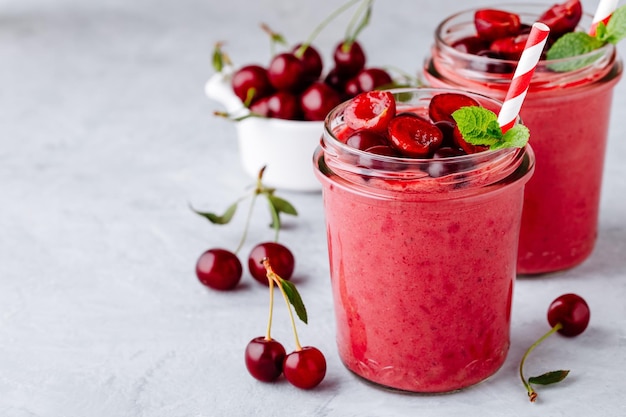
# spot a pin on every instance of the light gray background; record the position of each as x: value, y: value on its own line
x: 106, y: 137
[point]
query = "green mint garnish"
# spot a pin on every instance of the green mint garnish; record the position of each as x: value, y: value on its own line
x: 479, y: 126
x: 578, y: 43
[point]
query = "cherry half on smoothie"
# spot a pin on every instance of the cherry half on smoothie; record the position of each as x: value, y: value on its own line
x: 372, y: 110
x: 568, y: 315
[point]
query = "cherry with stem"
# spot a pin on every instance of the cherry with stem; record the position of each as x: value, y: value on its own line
x: 568, y: 315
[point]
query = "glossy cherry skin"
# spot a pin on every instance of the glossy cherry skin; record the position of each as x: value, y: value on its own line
x: 365, y: 139
x: 280, y: 257
x: 414, y: 136
x: 562, y: 18
x: 492, y: 24
x: 311, y: 61
x: 305, y: 368
x: 286, y: 73
x: 251, y: 83
x: 572, y: 311
x: 280, y: 105
x: 318, y: 100
x: 443, y: 105
x: 264, y: 359
x: 372, y: 110
x: 219, y: 269
x: 471, y: 45
x: 511, y: 47
x: 349, y: 59
x: 367, y: 79
x: 467, y: 147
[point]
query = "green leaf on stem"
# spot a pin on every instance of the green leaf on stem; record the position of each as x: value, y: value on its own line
x: 548, y: 378
x: 216, y: 218
x: 294, y: 298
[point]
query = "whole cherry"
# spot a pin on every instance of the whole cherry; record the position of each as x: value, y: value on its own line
x: 251, y: 83
x: 283, y: 261
x: 286, y: 73
x: 305, y: 368
x: 264, y: 358
x: 349, y: 58
x: 219, y: 269
x: 568, y: 315
x: 318, y: 100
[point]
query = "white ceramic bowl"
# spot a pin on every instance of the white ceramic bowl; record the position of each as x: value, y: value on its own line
x: 284, y: 147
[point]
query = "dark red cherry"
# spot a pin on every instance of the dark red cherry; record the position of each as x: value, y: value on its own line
x: 447, y: 129
x: 368, y: 79
x: 305, y: 368
x: 439, y: 167
x: 365, y: 139
x: 370, y: 110
x: 283, y: 105
x: 511, y: 47
x: 286, y: 73
x: 572, y: 311
x: 492, y: 24
x: 349, y: 59
x: 280, y: 257
x: 264, y: 358
x: 336, y: 81
x: 312, y: 62
x: 219, y: 269
x: 414, y: 136
x: 318, y: 100
x: 384, y: 150
x: 251, y: 83
x: 460, y: 142
x: 470, y: 45
x: 562, y: 18
x: 443, y: 105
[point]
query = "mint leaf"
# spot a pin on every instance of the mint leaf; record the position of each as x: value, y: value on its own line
x: 294, y: 298
x: 616, y: 27
x: 548, y: 378
x: 572, y: 44
x: 216, y: 218
x: 515, y: 137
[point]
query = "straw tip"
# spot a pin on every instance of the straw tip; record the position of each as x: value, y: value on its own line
x: 541, y: 26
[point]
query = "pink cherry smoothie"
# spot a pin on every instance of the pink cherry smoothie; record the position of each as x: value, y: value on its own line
x: 567, y: 112
x: 422, y: 260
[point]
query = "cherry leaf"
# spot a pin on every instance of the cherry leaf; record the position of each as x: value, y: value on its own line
x: 216, y: 218
x: 548, y: 378
x: 294, y: 298
x: 281, y: 205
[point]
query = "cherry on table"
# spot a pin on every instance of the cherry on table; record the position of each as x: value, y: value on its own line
x: 572, y: 312
x: 305, y: 368
x: 219, y: 269
x: 264, y: 358
x: 282, y: 260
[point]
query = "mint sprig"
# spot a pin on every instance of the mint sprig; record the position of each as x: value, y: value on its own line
x: 574, y: 44
x: 479, y: 126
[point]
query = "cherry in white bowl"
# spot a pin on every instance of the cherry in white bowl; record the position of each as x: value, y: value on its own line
x: 284, y: 147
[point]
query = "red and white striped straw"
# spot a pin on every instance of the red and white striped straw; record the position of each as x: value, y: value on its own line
x: 523, y: 73
x: 603, y: 14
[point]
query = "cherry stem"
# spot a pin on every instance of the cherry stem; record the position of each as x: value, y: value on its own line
x: 321, y: 27
x: 364, y: 9
x: 271, y: 312
x: 273, y: 276
x: 532, y: 395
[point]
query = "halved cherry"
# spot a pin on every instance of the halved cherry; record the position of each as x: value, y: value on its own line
x: 562, y: 18
x: 365, y: 139
x: 492, y: 24
x: 443, y: 105
x: 370, y: 110
x: 511, y: 47
x: 466, y: 146
x: 414, y: 136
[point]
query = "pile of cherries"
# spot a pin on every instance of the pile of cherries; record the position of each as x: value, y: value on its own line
x: 293, y: 85
x: 374, y: 125
x: 501, y: 34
